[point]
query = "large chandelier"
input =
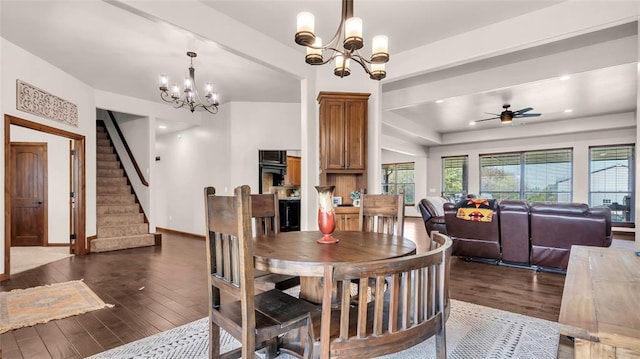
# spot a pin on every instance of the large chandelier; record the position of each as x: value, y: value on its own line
x: 189, y: 96
x: 350, y: 32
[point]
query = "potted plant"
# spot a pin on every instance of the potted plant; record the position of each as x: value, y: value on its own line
x: 355, y: 197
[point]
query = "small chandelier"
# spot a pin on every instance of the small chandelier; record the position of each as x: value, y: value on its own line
x: 350, y: 31
x: 190, y: 97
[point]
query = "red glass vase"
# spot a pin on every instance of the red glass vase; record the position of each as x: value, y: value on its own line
x: 326, y: 214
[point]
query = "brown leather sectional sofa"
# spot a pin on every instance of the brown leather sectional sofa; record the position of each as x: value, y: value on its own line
x: 538, y: 235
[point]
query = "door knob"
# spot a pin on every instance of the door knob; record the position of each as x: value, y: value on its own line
x: 38, y: 202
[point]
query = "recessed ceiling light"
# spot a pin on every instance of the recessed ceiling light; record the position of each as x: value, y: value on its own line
x: 162, y: 127
x: 568, y: 110
x: 439, y: 101
x: 472, y: 123
x: 564, y: 77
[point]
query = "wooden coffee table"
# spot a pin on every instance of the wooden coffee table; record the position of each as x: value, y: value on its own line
x: 601, y: 302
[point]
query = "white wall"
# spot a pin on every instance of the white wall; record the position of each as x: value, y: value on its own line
x: 58, y: 201
x: 260, y: 126
x: 580, y: 142
x: 222, y: 152
x: 17, y: 63
x: 189, y: 161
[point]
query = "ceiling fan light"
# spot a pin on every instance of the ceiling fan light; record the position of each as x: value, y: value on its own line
x: 506, y: 119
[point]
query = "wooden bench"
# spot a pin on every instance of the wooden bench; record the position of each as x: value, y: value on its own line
x: 408, y: 304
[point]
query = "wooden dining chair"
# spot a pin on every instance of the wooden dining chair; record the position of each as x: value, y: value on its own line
x: 255, y: 320
x: 266, y: 220
x: 382, y: 213
x: 413, y: 308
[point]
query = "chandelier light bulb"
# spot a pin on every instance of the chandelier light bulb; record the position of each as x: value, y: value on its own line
x: 378, y: 72
x: 208, y: 89
x: 314, y: 54
x: 305, y: 32
x: 353, y: 33
x: 175, y: 91
x: 342, y: 66
x: 380, y: 49
x: 164, y: 82
x: 188, y: 84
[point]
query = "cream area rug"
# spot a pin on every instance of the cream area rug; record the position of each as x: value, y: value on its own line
x: 25, y: 307
x: 24, y: 258
x: 473, y: 332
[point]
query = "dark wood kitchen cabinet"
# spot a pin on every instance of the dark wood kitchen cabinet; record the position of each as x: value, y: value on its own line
x: 343, y: 130
x: 343, y: 141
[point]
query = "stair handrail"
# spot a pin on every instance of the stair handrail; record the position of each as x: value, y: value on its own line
x: 126, y: 147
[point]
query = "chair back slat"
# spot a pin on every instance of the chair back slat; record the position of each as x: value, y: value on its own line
x: 407, y: 304
x: 265, y: 214
x: 382, y: 214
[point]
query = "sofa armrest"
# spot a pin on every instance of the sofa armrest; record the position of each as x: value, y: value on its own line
x: 424, y: 210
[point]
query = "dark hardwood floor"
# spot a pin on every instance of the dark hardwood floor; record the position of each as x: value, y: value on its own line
x: 158, y: 288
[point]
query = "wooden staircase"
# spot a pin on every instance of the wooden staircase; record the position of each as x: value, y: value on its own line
x: 120, y: 220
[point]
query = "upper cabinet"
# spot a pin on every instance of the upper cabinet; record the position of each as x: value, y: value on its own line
x: 293, y: 171
x: 343, y: 131
x: 343, y: 142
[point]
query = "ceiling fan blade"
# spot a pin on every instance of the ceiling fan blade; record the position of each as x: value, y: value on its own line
x: 487, y: 119
x: 528, y: 115
x: 495, y: 114
x: 523, y: 110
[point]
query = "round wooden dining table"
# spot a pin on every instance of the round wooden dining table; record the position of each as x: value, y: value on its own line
x: 299, y: 253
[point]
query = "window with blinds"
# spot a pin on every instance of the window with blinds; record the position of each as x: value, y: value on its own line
x: 548, y: 176
x: 455, y: 177
x: 500, y: 176
x: 611, y: 181
x: 398, y: 178
x: 531, y: 176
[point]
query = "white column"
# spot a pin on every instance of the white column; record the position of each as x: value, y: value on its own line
x: 310, y: 154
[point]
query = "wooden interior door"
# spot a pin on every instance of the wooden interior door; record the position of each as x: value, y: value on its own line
x: 28, y: 194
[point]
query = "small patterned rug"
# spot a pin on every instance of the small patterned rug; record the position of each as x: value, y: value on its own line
x: 473, y: 332
x: 25, y: 307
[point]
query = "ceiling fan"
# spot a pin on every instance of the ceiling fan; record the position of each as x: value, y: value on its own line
x: 507, y: 116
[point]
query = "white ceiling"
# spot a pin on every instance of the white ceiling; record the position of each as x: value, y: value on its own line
x: 113, y: 48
